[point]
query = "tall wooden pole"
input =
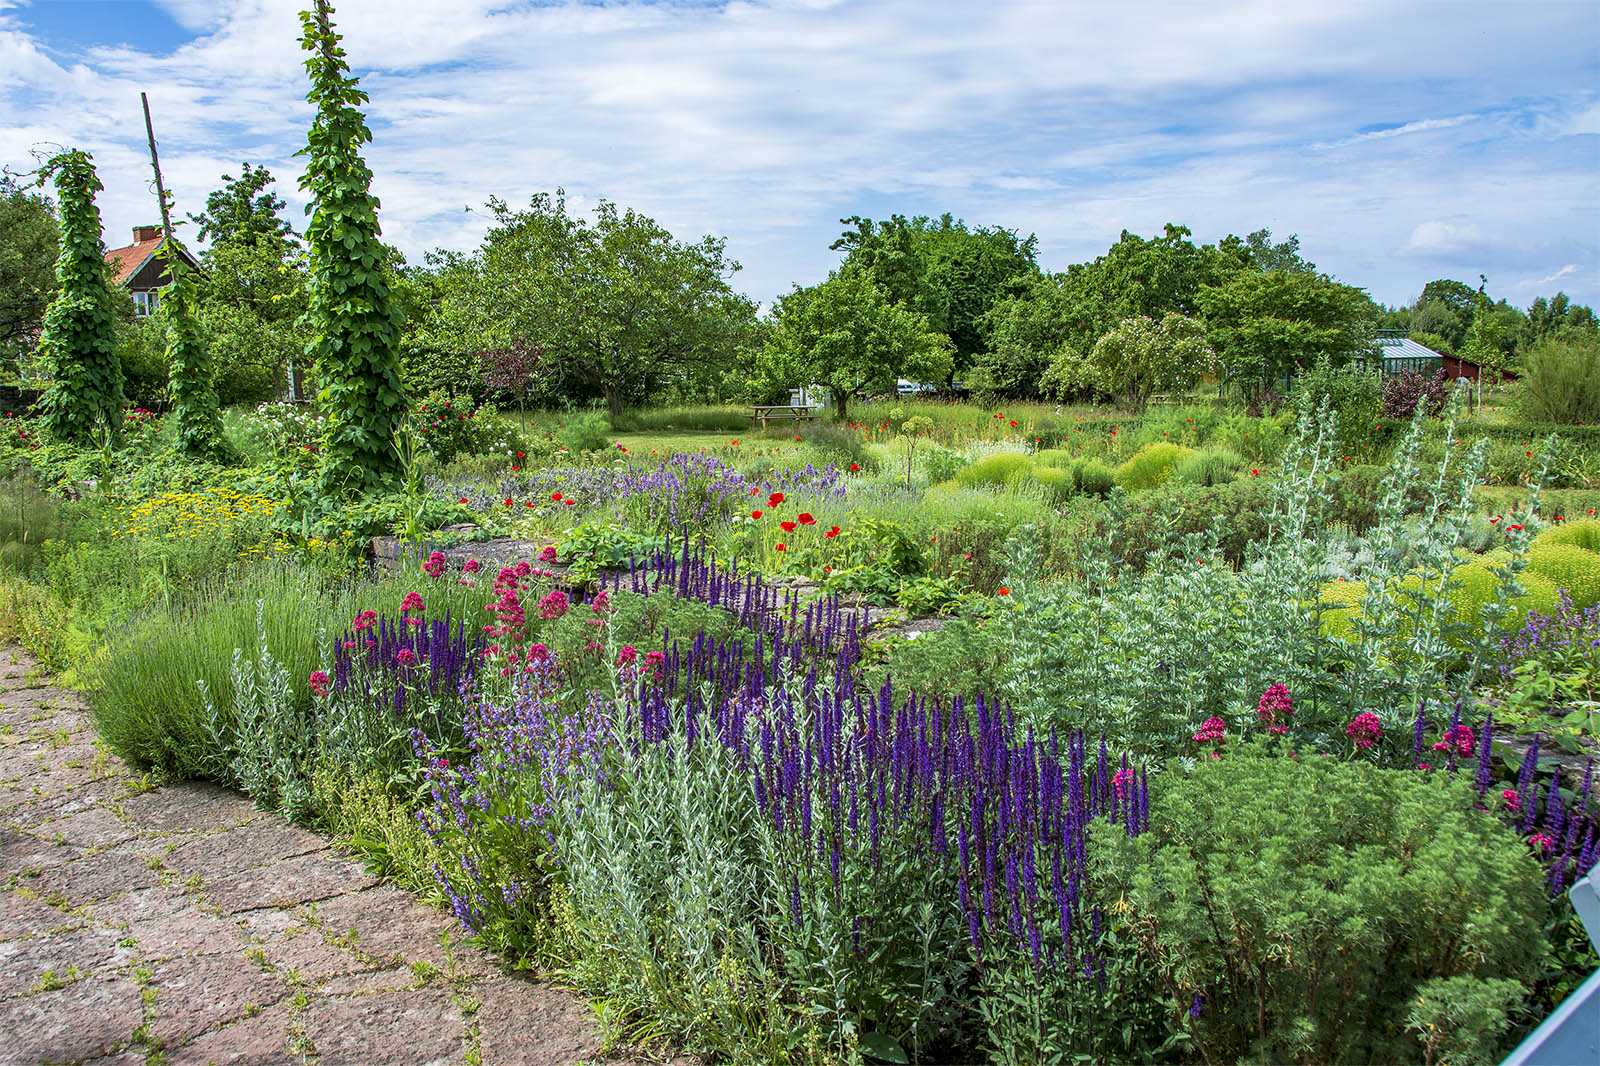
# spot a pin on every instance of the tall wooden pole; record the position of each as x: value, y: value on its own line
x: 155, y: 164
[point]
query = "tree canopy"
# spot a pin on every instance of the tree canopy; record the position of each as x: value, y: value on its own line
x: 1264, y: 325
x: 619, y: 307
x: 244, y: 212
x: 846, y: 334
x: 1139, y: 358
x: 950, y: 274
x: 28, y: 247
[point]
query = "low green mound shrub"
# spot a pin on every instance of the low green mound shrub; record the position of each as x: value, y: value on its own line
x: 1296, y: 908
x: 707, y: 419
x: 1150, y: 466
x: 1209, y: 466
x: 1569, y: 567
x: 1091, y: 477
x: 1341, y: 606
x: 1583, y: 534
x: 997, y: 469
x: 588, y: 432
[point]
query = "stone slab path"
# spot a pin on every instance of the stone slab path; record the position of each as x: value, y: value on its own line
x: 179, y: 925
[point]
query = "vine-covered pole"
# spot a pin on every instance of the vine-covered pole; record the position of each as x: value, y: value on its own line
x: 355, y: 322
x: 78, y: 340
x: 194, y: 394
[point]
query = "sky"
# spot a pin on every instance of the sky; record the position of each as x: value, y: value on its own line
x: 1402, y: 141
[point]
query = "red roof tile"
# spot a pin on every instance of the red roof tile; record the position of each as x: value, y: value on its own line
x: 125, y: 262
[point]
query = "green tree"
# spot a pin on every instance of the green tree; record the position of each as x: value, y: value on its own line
x: 1264, y: 326
x: 28, y: 245
x: 1141, y: 357
x: 949, y: 273
x: 1135, y: 278
x: 1265, y: 255
x: 245, y: 211
x: 253, y: 302
x: 620, y: 308
x: 354, y: 323
x: 847, y: 335
x: 78, y: 342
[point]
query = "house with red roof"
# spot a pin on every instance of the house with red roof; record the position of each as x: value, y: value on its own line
x: 141, y: 270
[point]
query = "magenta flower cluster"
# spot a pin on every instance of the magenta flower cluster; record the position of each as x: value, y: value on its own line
x: 1365, y: 730
x: 1275, y: 709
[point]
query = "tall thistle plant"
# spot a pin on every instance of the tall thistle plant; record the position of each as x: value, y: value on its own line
x: 1409, y: 636
x: 78, y: 342
x: 356, y: 325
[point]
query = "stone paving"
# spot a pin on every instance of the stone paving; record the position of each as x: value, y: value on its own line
x: 179, y: 925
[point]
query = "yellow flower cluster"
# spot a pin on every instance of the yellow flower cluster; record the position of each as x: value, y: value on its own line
x: 211, y: 514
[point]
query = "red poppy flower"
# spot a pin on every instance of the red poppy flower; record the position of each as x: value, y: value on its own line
x: 567, y: 502
x: 528, y: 503
x: 757, y: 514
x: 734, y: 443
x: 463, y: 499
x: 855, y: 466
x: 520, y: 456
x: 508, y: 503
x: 775, y: 499
x: 797, y: 436
x: 787, y: 527
x: 556, y: 496
x: 1013, y: 421
x: 780, y: 547
x: 1004, y: 591
x: 514, y: 466
x: 1254, y: 472
x: 806, y: 519
x: 830, y: 534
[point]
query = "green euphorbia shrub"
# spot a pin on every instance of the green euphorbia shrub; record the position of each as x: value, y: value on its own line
x: 1150, y: 466
x: 1296, y: 908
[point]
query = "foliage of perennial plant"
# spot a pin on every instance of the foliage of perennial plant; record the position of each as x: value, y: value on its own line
x: 1301, y: 923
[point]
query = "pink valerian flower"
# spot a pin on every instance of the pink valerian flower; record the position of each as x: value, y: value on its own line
x: 364, y: 620
x: 653, y: 662
x: 471, y: 566
x: 1364, y: 729
x: 318, y: 683
x: 548, y: 554
x: 538, y: 653
x: 628, y: 654
x: 1212, y: 730
x: 601, y: 604
x: 553, y: 605
x: 1120, y: 782
x: 1509, y: 797
x: 405, y: 657
x: 1275, y: 709
x: 523, y: 569
x: 1543, y: 842
x: 435, y: 564
x: 1461, y: 740
x: 411, y: 602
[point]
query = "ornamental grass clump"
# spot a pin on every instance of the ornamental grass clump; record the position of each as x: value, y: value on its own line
x: 1301, y: 924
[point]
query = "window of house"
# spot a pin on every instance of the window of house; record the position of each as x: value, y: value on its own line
x: 145, y: 302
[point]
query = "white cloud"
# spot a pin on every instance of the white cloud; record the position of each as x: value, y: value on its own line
x: 768, y: 121
x: 1442, y: 237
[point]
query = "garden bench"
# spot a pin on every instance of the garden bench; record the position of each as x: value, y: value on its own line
x: 763, y: 413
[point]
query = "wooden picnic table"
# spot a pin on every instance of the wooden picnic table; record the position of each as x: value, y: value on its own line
x: 780, y: 412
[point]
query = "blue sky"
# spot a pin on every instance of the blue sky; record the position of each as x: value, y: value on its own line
x: 1401, y: 141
